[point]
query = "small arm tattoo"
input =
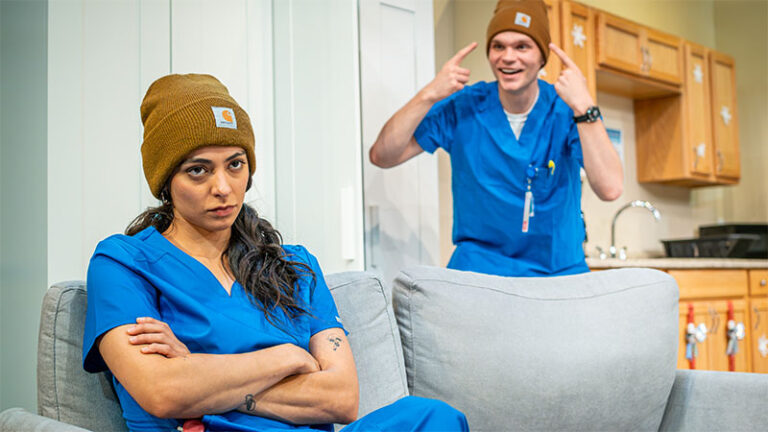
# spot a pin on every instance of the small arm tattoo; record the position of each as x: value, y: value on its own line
x: 250, y: 404
x: 336, y: 341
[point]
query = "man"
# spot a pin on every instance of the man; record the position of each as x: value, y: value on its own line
x: 516, y: 146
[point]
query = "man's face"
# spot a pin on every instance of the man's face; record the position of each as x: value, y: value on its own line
x: 515, y: 60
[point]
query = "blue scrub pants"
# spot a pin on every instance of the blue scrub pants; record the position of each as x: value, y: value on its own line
x: 409, y: 414
x: 412, y: 413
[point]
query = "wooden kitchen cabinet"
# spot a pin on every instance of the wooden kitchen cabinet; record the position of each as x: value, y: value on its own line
x: 758, y: 308
x: 677, y: 136
x: 552, y: 69
x: 724, y: 116
x: 577, y: 32
x: 572, y: 28
x: 712, y: 352
x: 710, y: 291
x: 630, y: 48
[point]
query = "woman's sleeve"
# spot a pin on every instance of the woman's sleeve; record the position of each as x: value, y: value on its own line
x: 323, y: 312
x: 116, y: 296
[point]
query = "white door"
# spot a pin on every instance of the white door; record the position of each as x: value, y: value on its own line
x: 401, y: 203
x: 318, y: 176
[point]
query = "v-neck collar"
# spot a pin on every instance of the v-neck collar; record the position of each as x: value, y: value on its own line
x: 158, y: 239
x: 492, y: 116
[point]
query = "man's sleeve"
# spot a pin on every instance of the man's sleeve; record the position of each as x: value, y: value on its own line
x: 116, y: 296
x: 574, y: 144
x: 437, y: 127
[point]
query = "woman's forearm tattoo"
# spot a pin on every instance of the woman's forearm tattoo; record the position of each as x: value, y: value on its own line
x: 336, y: 341
x: 250, y: 404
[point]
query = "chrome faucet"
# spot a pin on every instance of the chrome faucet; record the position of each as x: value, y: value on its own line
x: 622, y: 254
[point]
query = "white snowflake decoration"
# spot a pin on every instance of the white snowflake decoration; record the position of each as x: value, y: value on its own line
x: 698, y: 74
x: 762, y: 346
x: 578, y: 35
x: 542, y: 73
x: 725, y: 113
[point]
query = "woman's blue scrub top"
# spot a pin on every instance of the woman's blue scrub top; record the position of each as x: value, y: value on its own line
x: 490, y: 173
x: 146, y: 275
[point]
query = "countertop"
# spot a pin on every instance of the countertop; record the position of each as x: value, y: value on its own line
x: 679, y: 263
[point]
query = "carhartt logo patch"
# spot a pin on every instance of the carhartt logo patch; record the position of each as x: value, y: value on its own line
x: 225, y: 117
x: 522, y: 19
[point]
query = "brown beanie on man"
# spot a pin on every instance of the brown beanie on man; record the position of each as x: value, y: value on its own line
x: 523, y: 16
x: 182, y: 113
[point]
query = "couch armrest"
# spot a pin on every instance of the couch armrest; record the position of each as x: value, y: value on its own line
x: 17, y: 419
x: 708, y: 400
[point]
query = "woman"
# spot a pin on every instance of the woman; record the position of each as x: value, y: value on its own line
x: 200, y: 313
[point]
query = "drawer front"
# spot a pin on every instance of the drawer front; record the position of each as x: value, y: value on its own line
x: 758, y: 282
x: 700, y: 284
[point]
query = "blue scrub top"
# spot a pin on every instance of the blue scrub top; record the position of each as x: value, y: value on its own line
x: 146, y: 275
x: 490, y: 172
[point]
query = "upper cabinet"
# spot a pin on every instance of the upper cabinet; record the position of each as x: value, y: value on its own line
x: 636, y: 61
x: 578, y: 39
x: 629, y: 47
x: 691, y: 139
x: 724, y: 118
x: 572, y: 28
x: 552, y: 69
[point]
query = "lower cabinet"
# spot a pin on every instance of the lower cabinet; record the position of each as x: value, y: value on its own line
x: 712, y: 352
x: 709, y: 299
x: 758, y: 318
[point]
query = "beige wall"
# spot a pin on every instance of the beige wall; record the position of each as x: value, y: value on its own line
x: 742, y: 32
x: 724, y: 25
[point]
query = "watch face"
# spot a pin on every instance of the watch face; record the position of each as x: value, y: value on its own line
x: 593, y: 114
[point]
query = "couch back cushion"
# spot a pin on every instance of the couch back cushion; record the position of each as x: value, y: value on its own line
x: 365, y: 308
x: 595, y: 351
x: 66, y: 392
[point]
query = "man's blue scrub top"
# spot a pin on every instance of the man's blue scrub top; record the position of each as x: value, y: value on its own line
x: 490, y: 172
x: 146, y: 275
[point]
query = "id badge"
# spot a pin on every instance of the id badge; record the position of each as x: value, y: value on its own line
x: 527, y: 210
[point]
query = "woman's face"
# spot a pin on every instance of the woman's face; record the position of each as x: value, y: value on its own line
x: 209, y: 187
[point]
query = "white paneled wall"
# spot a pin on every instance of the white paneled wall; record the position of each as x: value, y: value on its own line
x: 102, y: 58
x: 103, y: 55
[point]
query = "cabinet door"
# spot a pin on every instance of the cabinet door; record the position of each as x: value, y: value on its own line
x: 724, y: 115
x: 701, y: 315
x: 552, y: 69
x: 698, y: 144
x: 578, y: 39
x: 663, y: 56
x: 718, y: 337
x: 619, y: 44
x: 758, y: 336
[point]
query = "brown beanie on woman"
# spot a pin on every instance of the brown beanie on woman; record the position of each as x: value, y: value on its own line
x: 182, y: 113
x: 522, y: 16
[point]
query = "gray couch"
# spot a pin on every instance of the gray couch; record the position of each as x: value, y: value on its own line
x: 585, y: 352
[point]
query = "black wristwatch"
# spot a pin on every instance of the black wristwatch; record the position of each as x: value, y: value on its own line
x: 591, y: 116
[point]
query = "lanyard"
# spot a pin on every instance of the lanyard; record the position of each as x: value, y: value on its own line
x: 528, y: 208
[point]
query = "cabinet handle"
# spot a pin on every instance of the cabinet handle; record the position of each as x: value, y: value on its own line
x: 644, y: 66
x: 650, y: 59
x: 720, y: 161
x: 715, y: 321
x: 763, y: 282
x: 757, y: 313
x: 695, y: 157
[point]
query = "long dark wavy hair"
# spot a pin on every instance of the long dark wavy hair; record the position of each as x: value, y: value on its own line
x: 255, y: 256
